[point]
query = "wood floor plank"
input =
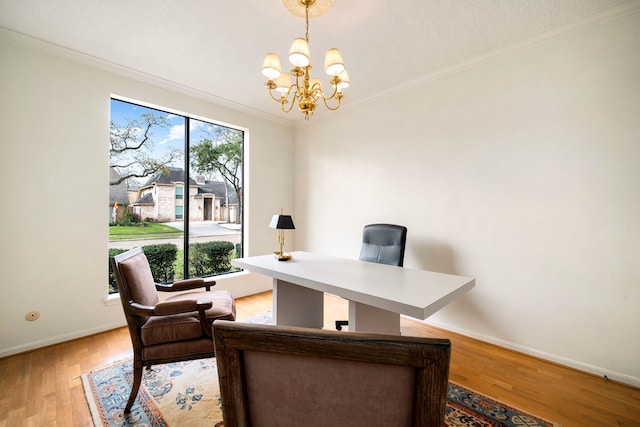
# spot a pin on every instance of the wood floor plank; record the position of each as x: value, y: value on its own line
x: 43, y: 388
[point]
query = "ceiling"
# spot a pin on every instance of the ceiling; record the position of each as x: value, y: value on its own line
x: 216, y: 47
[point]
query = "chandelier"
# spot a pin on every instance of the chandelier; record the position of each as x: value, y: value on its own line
x: 305, y: 91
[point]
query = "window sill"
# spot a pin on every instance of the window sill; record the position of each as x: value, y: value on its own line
x: 112, y: 299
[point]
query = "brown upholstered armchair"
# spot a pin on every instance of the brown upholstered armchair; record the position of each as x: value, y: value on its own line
x: 287, y: 376
x: 176, y: 329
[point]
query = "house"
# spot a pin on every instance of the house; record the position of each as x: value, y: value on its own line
x: 118, y: 196
x: 161, y: 198
x: 517, y: 166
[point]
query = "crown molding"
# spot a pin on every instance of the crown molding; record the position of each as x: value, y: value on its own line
x: 53, y: 49
x: 624, y: 9
x: 621, y: 10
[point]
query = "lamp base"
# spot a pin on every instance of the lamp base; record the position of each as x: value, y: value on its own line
x: 282, y: 256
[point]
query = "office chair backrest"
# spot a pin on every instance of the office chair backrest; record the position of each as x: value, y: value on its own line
x: 384, y: 244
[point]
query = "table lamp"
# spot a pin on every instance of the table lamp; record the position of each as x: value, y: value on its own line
x: 280, y: 223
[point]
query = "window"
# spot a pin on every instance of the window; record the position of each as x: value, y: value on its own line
x: 176, y: 190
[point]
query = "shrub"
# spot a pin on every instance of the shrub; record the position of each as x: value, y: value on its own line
x: 161, y: 258
x: 128, y: 217
x: 113, y: 286
x: 210, y: 258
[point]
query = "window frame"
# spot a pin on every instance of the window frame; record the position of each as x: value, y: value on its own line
x: 187, y: 175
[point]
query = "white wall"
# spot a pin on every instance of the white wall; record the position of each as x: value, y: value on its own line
x: 54, y: 130
x: 521, y: 172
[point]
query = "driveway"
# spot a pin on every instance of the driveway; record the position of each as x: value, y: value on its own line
x: 206, y: 228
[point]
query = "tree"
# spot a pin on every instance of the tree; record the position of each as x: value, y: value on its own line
x: 221, y: 152
x: 131, y: 152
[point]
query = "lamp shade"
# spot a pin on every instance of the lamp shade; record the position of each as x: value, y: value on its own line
x: 283, y: 83
x: 282, y: 222
x: 345, y: 82
x: 271, y: 66
x: 333, y: 63
x: 299, y: 55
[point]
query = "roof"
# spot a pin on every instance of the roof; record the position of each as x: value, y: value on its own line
x: 168, y: 175
x: 117, y: 193
x: 171, y: 175
x: 146, y: 199
x: 217, y: 188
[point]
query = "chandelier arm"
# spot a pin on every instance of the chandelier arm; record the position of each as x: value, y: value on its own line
x: 333, y: 95
x: 286, y: 110
x: 273, y: 97
x: 291, y: 104
x: 317, y: 88
x: 326, y: 104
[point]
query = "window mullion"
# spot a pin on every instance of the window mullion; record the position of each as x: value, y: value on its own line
x: 185, y: 198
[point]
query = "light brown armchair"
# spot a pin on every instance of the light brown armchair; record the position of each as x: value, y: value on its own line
x: 173, y: 330
x: 286, y: 376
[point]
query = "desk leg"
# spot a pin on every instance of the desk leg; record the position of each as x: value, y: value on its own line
x: 295, y: 305
x: 365, y: 318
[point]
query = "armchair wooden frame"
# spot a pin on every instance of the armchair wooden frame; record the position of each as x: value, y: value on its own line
x: 426, y: 361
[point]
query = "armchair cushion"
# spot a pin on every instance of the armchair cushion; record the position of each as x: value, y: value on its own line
x: 186, y: 326
x: 137, y: 273
x: 176, y: 327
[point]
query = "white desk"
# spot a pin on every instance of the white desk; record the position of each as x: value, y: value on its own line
x: 377, y: 293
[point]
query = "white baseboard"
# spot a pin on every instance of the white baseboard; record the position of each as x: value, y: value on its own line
x: 59, y: 338
x: 240, y: 284
x: 584, y: 367
x: 244, y: 284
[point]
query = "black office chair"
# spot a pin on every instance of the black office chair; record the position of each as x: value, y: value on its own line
x: 383, y: 244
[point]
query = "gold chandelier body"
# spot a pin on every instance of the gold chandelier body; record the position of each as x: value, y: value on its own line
x: 305, y: 92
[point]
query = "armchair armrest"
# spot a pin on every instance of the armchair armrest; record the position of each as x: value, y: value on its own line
x: 181, y: 306
x: 185, y: 285
x: 170, y: 307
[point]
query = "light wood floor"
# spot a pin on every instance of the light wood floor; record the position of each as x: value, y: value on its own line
x: 43, y: 388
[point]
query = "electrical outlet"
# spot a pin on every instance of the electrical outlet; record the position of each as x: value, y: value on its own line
x: 32, y: 315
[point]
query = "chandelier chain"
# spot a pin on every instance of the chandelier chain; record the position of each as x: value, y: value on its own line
x: 306, y: 14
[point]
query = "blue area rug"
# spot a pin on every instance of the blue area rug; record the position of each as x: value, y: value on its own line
x: 186, y: 394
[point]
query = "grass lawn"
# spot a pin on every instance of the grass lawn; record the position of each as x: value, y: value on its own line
x: 143, y: 229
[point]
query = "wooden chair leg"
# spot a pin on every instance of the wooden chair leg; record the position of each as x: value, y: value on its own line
x: 137, y: 380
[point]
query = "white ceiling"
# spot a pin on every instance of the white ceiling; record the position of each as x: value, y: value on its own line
x: 216, y: 47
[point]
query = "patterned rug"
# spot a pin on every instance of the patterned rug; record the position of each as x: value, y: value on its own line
x: 186, y: 394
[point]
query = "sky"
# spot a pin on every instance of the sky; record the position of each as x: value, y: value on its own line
x: 164, y: 140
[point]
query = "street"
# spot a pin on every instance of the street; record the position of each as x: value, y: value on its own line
x: 199, y: 231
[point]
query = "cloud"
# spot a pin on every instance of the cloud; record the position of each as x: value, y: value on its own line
x: 176, y: 133
x: 194, y: 125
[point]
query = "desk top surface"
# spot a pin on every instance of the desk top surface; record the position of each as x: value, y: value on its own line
x: 415, y: 293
